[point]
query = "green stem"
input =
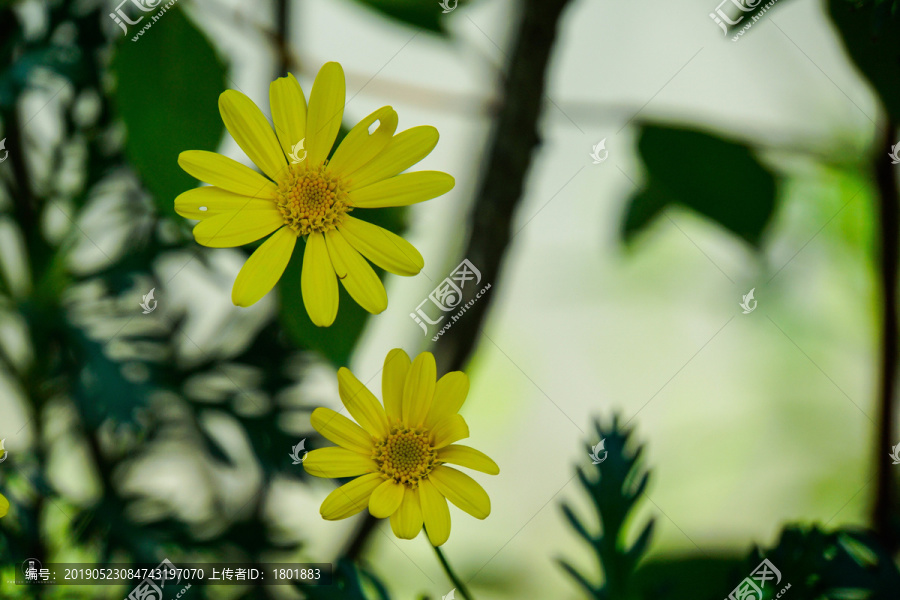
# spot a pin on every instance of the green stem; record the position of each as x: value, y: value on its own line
x: 457, y: 582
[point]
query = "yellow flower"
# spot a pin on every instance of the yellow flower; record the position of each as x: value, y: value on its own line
x: 303, y: 194
x: 400, y: 452
x: 4, y: 505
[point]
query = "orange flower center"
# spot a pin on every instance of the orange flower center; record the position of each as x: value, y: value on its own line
x: 311, y: 200
x: 406, y: 455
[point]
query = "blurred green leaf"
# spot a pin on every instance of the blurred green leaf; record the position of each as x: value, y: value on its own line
x: 719, y: 179
x: 687, y: 577
x: 168, y: 85
x: 423, y: 14
x: 347, y: 584
x: 871, y: 34
x: 335, y: 343
x: 614, y: 486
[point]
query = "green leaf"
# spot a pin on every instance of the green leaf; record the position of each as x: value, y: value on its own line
x: 688, y: 577
x: 871, y: 35
x: 335, y: 343
x: 168, y: 85
x: 423, y: 14
x: 717, y: 178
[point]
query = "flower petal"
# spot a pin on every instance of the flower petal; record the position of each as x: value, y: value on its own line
x: 264, y: 268
x: 288, y: 105
x: 226, y: 173
x: 326, y: 108
x: 337, y: 428
x: 393, y: 378
x: 435, y: 513
x: 403, y: 190
x: 461, y: 490
x: 386, y: 499
x: 231, y: 229
x: 362, y: 404
x: 471, y: 458
x: 355, y: 274
x: 385, y: 249
x: 204, y: 202
x: 418, y: 389
x: 4, y: 505
x: 403, y: 151
x: 350, y: 498
x: 449, y: 430
x: 252, y: 132
x: 449, y: 395
x: 359, y: 147
x: 338, y: 462
x: 407, y: 520
x: 318, y: 283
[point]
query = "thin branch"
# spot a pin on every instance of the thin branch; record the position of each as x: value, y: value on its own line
x: 889, y: 228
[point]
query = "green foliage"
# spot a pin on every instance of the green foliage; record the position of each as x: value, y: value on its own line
x: 417, y: 13
x: 614, y: 488
x: 871, y: 34
x: 167, y: 90
x: 717, y: 178
x: 349, y: 583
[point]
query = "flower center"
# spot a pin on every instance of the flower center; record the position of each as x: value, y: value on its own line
x: 406, y: 455
x: 311, y: 201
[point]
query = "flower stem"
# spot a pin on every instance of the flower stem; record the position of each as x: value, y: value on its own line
x: 457, y: 582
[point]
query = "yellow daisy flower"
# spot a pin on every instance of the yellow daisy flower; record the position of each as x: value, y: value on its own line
x: 303, y: 194
x: 399, y: 453
x: 4, y: 505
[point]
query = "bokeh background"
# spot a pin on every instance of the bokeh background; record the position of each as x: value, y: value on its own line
x: 134, y: 436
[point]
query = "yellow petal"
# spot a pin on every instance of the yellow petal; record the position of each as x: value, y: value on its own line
x: 359, y: 147
x: 407, y: 520
x: 288, y: 105
x: 204, y: 202
x: 264, y: 268
x: 226, y: 173
x: 318, y: 283
x: 252, y: 132
x: 393, y: 378
x: 435, y: 513
x: 228, y: 230
x: 449, y: 395
x: 338, y: 462
x: 386, y: 499
x: 418, y: 389
x: 337, y: 428
x: 385, y: 249
x: 350, y: 498
x: 362, y: 404
x: 4, y: 505
x: 403, y: 151
x: 326, y: 108
x: 403, y: 190
x: 449, y: 430
x: 471, y: 458
x: 461, y: 490
x: 355, y: 274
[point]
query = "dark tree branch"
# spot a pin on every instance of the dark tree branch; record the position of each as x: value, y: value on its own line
x: 509, y: 154
x: 889, y: 228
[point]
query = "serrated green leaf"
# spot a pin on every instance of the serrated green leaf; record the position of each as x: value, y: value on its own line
x: 167, y: 89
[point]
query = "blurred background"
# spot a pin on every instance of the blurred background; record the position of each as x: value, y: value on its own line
x: 615, y: 285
